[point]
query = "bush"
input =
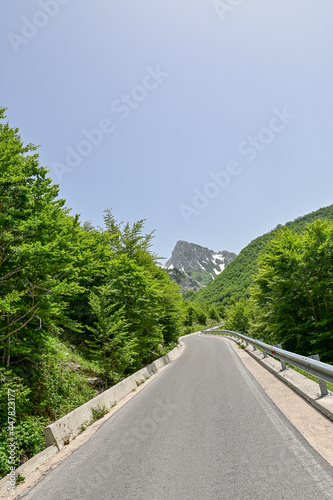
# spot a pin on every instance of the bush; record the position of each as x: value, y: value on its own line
x: 29, y: 437
x: 59, y: 390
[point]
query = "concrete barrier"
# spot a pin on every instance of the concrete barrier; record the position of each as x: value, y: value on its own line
x: 69, y: 426
x: 27, y: 467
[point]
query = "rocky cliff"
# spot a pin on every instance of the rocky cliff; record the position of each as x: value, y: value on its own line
x: 198, y: 263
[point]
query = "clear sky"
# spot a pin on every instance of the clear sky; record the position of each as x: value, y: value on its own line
x: 213, y: 120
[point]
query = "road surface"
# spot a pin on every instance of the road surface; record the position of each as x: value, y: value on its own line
x: 202, y: 430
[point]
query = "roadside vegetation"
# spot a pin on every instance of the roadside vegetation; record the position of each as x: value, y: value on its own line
x: 81, y: 307
x: 291, y: 298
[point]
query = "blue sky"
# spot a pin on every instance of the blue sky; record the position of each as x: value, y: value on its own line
x: 213, y: 120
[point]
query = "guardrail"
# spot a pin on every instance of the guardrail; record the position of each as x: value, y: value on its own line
x: 212, y: 327
x: 322, y: 371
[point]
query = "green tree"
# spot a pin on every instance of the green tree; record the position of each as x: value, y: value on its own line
x: 36, y: 251
x: 110, y: 337
x: 201, y: 315
x: 133, y: 289
x: 213, y: 313
x: 294, y: 290
x: 170, y: 304
x: 189, y: 315
x: 238, y: 316
x: 61, y: 280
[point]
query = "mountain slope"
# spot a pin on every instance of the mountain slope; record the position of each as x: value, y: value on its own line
x: 184, y: 280
x: 237, y: 278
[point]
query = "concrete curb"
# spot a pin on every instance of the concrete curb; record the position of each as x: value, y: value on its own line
x: 69, y: 426
x: 303, y: 386
x: 28, y: 467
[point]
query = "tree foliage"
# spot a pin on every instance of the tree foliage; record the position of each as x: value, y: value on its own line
x: 37, y: 254
x: 293, y: 290
x: 237, y: 316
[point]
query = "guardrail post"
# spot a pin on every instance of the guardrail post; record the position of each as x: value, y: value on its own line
x: 321, y: 382
x: 283, y: 364
x: 265, y: 355
x: 254, y: 347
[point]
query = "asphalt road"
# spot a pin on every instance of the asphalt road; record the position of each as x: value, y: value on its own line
x: 202, y: 430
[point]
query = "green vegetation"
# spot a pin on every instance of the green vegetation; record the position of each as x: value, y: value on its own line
x: 81, y: 307
x: 202, y: 277
x: 293, y: 293
x: 199, y: 316
x: 291, y: 299
x: 77, y: 303
x: 98, y: 412
x: 237, y: 278
x: 237, y: 316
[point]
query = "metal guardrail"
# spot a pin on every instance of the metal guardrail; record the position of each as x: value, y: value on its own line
x: 322, y: 371
x: 212, y: 327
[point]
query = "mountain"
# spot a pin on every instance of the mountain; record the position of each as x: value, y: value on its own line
x: 184, y: 280
x: 236, y: 279
x: 197, y: 263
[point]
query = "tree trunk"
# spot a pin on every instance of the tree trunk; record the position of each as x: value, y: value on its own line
x: 8, y: 351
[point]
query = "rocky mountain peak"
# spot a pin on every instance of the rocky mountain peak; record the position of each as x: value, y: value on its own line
x: 197, y: 262
x: 189, y: 256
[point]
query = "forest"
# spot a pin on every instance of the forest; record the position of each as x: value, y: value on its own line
x: 81, y: 307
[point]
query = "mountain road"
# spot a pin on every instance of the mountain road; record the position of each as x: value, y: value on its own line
x: 204, y: 429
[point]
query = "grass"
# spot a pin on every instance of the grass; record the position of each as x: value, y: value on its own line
x: 98, y: 412
x: 68, y: 353
x: 62, y: 374
x: 84, y: 425
x: 202, y: 277
x: 20, y: 479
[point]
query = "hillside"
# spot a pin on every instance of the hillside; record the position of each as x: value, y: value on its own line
x: 236, y: 279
